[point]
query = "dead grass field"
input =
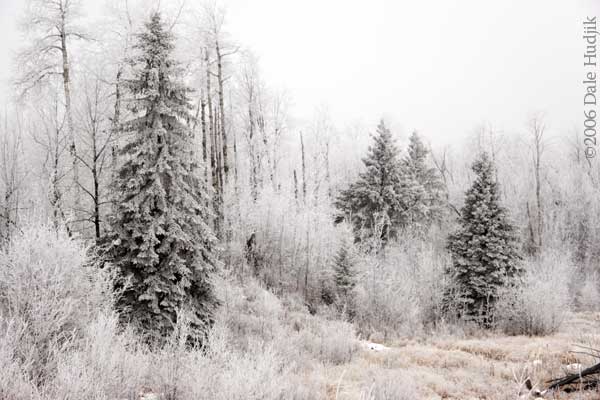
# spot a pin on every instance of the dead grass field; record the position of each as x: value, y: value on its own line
x: 484, y: 366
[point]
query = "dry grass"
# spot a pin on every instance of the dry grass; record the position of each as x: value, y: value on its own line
x: 485, y: 367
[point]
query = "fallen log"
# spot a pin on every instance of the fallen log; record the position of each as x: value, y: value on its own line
x: 575, y: 378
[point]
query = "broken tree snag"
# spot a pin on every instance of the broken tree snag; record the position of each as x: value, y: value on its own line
x: 252, y: 253
x: 296, y: 187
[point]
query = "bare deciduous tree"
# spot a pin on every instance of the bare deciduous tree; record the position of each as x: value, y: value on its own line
x: 536, y: 128
x: 97, y: 140
x: 249, y: 97
x: 50, y: 135
x: 441, y: 164
x: 12, y: 176
x: 51, y: 25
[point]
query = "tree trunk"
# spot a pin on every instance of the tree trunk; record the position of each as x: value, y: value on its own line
x: 222, y: 110
x: 303, y: 169
x: 252, y: 151
x: 69, y: 114
x: 307, y: 266
x: 538, y: 196
x: 327, y: 171
x: 235, y: 164
x: 204, y: 143
x: 96, y: 179
x: 116, y: 120
x: 296, y: 188
x: 96, y: 201
x: 210, y: 119
x: 218, y: 149
x: 537, y: 131
x: 55, y: 193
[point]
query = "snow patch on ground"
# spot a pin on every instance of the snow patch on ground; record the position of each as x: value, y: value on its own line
x: 574, y: 368
x: 374, y: 346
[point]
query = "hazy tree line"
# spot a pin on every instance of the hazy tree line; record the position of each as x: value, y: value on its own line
x: 155, y: 137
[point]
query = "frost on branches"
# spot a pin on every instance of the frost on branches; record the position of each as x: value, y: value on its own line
x: 484, y: 249
x: 161, y: 242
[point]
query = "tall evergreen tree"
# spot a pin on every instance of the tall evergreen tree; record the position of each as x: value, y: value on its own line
x: 373, y: 203
x: 161, y: 242
x: 484, y: 249
x: 423, y: 189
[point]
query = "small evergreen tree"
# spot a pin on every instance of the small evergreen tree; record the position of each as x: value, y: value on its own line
x: 160, y: 241
x: 423, y: 191
x: 484, y: 249
x: 344, y: 277
x: 343, y: 271
x: 373, y: 203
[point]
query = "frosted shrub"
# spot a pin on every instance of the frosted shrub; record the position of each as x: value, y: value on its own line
x: 106, y: 364
x: 401, y: 294
x: 588, y: 298
x: 110, y: 364
x: 255, y: 315
x: 60, y: 338
x: 49, y: 296
x: 293, y: 242
x: 14, y: 382
x: 385, y: 297
x: 537, y: 305
x: 331, y: 342
x: 338, y: 342
x: 428, y: 267
x: 249, y: 312
x: 390, y: 385
x: 256, y: 374
x: 222, y: 371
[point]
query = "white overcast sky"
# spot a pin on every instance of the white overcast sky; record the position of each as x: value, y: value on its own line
x: 438, y: 66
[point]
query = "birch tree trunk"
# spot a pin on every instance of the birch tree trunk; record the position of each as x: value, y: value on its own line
x: 223, y: 132
x: 66, y: 73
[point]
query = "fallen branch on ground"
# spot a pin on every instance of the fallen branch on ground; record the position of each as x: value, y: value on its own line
x: 578, y: 378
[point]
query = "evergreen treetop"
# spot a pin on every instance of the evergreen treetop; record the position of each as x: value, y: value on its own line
x: 423, y: 191
x: 373, y: 202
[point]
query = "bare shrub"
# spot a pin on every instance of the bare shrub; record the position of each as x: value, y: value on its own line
x: 538, y: 304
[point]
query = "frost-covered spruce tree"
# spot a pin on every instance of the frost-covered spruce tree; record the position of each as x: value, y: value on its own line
x: 484, y: 249
x: 344, y: 275
x: 373, y: 203
x: 160, y: 240
x: 423, y: 191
